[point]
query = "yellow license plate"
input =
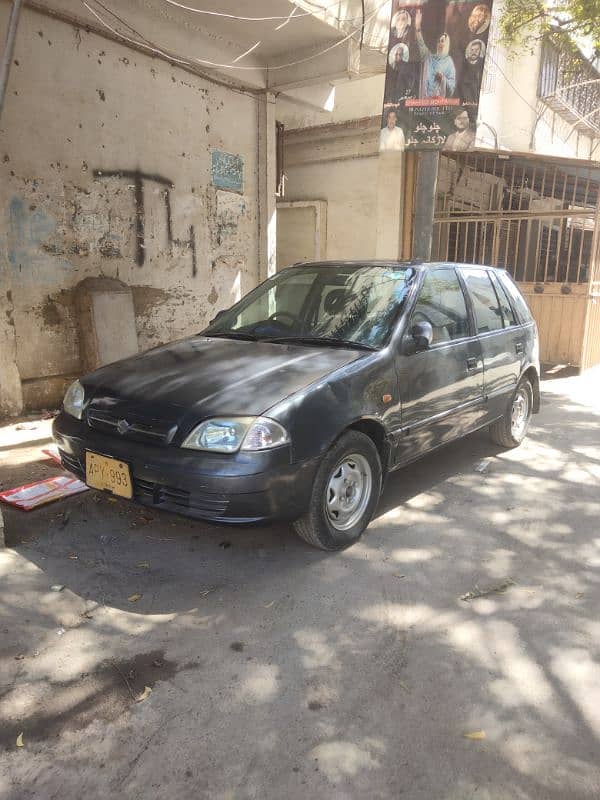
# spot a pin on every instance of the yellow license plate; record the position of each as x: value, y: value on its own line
x: 102, y: 472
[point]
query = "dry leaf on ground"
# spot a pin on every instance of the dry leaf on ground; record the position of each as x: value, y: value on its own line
x: 145, y: 694
x: 477, y: 735
x: 495, y: 588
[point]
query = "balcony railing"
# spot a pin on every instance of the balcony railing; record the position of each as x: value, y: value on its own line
x: 571, y: 86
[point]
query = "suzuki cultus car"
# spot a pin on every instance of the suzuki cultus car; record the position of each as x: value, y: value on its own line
x: 295, y: 403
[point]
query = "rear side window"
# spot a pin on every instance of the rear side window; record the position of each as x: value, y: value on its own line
x: 505, y: 306
x: 517, y: 298
x: 441, y: 302
x: 488, y: 316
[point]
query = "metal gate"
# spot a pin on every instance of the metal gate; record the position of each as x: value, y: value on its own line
x: 532, y: 216
x: 536, y: 217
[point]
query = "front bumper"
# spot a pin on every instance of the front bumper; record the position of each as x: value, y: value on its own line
x: 238, y: 488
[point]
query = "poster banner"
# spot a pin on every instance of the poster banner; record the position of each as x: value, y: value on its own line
x: 435, y: 64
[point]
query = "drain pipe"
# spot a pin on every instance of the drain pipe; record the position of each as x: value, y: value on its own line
x: 9, y: 48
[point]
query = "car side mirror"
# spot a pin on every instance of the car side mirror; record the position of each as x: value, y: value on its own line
x: 422, y: 335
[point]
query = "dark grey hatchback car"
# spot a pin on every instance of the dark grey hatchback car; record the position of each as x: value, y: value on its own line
x: 296, y: 402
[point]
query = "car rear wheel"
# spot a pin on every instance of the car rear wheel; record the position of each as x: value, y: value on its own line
x: 344, y: 495
x: 511, y: 429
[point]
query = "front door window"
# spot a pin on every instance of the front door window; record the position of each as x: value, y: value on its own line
x: 442, y: 303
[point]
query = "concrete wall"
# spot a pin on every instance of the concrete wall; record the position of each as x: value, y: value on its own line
x: 508, y: 99
x: 349, y: 189
x: 338, y: 165
x: 353, y: 99
x: 105, y: 170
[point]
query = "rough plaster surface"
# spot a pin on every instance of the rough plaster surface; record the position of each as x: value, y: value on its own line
x: 349, y: 188
x: 282, y: 672
x: 11, y: 397
x: 105, y: 171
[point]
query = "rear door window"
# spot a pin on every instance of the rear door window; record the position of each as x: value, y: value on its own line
x: 488, y: 316
x: 441, y: 302
x: 517, y: 298
x: 507, y: 313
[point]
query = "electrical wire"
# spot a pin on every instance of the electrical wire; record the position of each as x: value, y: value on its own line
x: 146, y: 43
x: 123, y: 22
x: 514, y: 88
x: 153, y: 48
x: 237, y: 17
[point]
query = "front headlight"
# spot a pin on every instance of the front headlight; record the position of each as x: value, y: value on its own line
x: 74, y: 398
x: 228, y: 435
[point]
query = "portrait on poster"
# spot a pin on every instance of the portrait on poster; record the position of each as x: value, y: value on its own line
x: 435, y: 63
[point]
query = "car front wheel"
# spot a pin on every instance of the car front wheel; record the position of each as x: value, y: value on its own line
x: 511, y: 429
x: 344, y: 495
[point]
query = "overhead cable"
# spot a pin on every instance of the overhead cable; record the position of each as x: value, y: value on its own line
x: 149, y: 45
x: 294, y: 14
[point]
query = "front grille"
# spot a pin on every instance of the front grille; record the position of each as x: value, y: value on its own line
x: 138, y: 428
x: 170, y: 497
x: 73, y: 464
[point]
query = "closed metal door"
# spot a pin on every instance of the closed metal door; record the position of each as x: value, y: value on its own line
x: 442, y: 386
x: 501, y: 338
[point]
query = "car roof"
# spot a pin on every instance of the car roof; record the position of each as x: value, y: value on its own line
x: 417, y: 264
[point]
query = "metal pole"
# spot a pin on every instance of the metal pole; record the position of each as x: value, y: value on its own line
x: 9, y: 48
x: 427, y: 171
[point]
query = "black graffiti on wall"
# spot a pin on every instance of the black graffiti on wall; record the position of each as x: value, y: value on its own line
x: 138, y: 179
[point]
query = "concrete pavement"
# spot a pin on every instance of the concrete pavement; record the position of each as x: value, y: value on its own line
x: 280, y: 671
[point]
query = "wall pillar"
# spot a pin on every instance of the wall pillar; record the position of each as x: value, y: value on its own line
x: 389, y: 204
x: 11, y: 397
x: 267, y: 177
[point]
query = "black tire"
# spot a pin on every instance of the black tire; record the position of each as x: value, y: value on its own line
x: 318, y: 526
x: 504, y: 431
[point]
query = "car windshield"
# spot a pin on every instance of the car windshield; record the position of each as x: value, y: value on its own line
x: 345, y: 304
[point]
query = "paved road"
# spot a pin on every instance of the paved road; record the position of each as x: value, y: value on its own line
x: 278, y: 671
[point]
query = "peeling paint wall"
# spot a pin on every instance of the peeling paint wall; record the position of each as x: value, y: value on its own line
x: 105, y: 170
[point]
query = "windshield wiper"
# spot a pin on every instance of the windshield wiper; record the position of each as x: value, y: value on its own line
x: 327, y: 341
x: 247, y: 337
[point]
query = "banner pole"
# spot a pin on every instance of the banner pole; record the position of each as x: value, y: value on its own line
x: 425, y: 189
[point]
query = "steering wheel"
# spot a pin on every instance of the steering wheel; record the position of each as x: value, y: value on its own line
x: 294, y: 319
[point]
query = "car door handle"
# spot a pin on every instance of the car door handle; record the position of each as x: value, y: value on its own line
x: 472, y: 362
x: 519, y: 348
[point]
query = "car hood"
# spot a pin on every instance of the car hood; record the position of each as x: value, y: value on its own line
x: 201, y: 377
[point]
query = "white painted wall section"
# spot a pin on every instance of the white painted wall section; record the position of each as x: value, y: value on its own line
x: 106, y: 170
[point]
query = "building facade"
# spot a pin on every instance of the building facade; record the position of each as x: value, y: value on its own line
x: 138, y: 145
x: 526, y: 198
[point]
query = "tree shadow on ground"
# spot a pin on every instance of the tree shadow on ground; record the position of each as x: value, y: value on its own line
x: 349, y: 675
